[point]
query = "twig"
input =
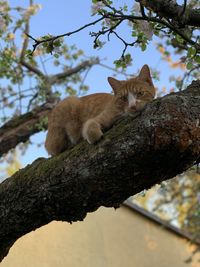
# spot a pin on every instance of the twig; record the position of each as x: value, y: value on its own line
x: 31, y: 101
x: 31, y: 68
x: 125, y: 43
x: 109, y: 31
x: 115, y: 70
x: 112, y: 8
x: 54, y: 78
x: 52, y: 39
x: 162, y: 22
x: 184, y: 8
x: 142, y: 11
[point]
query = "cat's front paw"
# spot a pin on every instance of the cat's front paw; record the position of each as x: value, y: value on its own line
x: 92, y: 131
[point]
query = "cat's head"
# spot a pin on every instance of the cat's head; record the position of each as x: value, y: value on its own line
x: 135, y: 92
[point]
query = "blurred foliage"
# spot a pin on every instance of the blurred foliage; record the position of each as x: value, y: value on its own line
x: 176, y: 201
x: 11, y: 164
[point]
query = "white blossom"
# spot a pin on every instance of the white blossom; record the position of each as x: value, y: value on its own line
x: 136, y: 8
x: 31, y: 10
x: 4, y: 7
x: 95, y: 8
x: 146, y: 28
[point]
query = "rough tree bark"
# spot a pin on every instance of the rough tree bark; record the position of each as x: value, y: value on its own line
x: 155, y: 145
x: 174, y: 11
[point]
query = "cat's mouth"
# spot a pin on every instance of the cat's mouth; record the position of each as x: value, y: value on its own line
x: 133, y: 111
x: 133, y: 114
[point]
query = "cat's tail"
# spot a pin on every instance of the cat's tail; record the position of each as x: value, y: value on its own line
x: 56, y: 140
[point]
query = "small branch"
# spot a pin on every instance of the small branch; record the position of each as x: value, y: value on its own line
x: 103, y: 32
x: 31, y: 101
x: 160, y: 21
x: 31, y: 68
x: 184, y: 8
x: 112, y: 8
x: 123, y: 72
x: 186, y: 76
x: 85, y: 64
x: 52, y: 39
x: 22, y: 61
x: 142, y: 11
x: 126, y: 45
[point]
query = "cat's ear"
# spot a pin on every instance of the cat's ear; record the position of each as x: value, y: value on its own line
x: 145, y: 75
x: 115, y: 84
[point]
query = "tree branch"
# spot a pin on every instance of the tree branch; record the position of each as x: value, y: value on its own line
x: 52, y: 39
x: 171, y: 10
x: 83, y: 65
x: 22, y: 61
x: 31, y: 68
x: 159, y: 143
x: 161, y: 21
x: 20, y: 128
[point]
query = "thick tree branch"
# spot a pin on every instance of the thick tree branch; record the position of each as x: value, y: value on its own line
x: 171, y: 10
x: 20, y: 128
x: 159, y: 143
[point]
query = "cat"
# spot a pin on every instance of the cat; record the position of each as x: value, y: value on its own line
x: 76, y: 118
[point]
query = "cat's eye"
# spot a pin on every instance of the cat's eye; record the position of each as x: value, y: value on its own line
x: 139, y: 94
x: 124, y: 98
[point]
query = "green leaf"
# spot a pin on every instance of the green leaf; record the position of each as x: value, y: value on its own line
x: 191, y: 52
x: 197, y: 59
x: 125, y: 8
x: 179, y: 39
x: 143, y: 46
x: 189, y: 65
x: 70, y: 90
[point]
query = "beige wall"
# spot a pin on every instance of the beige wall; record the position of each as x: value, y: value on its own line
x: 107, y: 238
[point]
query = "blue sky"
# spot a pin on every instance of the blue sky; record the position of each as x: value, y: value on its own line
x: 58, y: 17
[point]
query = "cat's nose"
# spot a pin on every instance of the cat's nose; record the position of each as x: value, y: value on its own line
x: 132, y: 107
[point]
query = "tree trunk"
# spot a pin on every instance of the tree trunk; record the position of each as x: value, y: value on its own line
x: 155, y: 145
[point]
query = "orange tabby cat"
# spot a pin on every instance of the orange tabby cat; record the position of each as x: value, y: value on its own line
x: 76, y: 118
